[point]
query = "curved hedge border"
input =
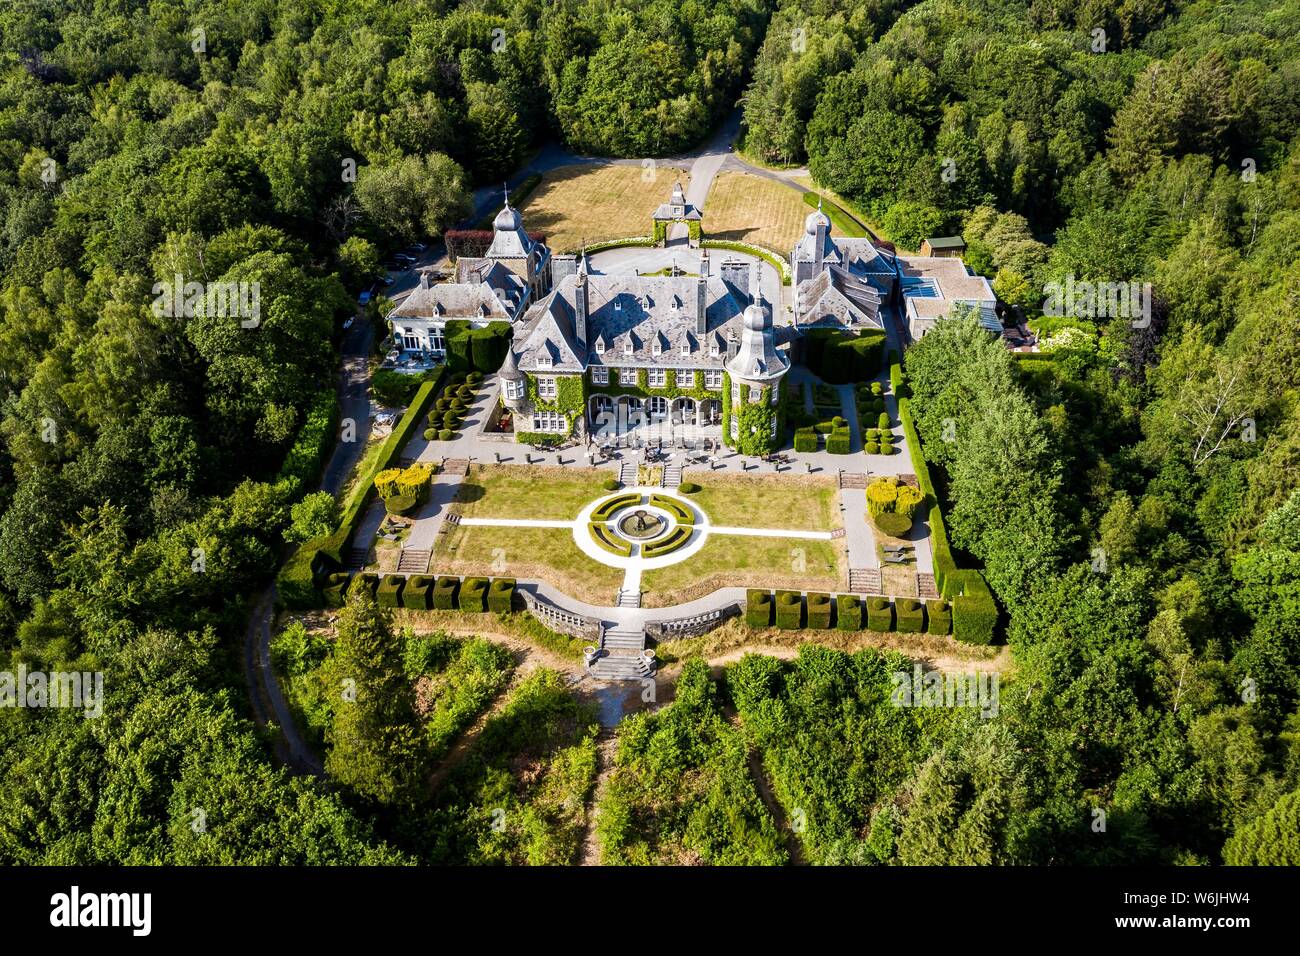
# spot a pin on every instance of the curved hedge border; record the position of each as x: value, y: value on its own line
x: 603, y: 511
x: 775, y: 261
x: 610, y: 542
x: 680, y: 512
x: 675, y: 539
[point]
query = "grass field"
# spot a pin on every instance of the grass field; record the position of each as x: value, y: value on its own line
x: 807, y: 183
x: 734, y: 561
x: 747, y: 208
x: 762, y: 501
x: 577, y: 204
x: 533, y: 491
x: 547, y: 554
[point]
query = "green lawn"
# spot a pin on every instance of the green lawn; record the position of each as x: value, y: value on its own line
x: 768, y: 501
x: 511, y: 491
x: 736, y: 561
x: 548, y: 554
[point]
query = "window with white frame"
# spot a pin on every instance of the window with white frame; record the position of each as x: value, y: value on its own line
x: 686, y: 349
x: 735, y: 393
x: 627, y: 376
x: 713, y: 348
x: 599, y: 375
x: 755, y: 394
x: 550, y: 422
x: 437, y: 342
x: 600, y: 346
x: 773, y: 426
x: 514, y: 389
x: 657, y: 406
x: 713, y: 379
x: 627, y: 346
x: 776, y: 389
x: 544, y: 360
x: 658, y: 377
x: 735, y: 427
x: 546, y: 387
x: 658, y: 347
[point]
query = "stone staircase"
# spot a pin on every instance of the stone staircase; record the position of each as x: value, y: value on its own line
x: 672, y: 476
x: 620, y: 656
x: 357, y: 559
x: 925, y: 588
x: 628, y: 598
x: 864, y: 580
x: 413, y: 561
x: 852, y: 479
x: 456, y: 466
x: 627, y: 474
x: 910, y: 480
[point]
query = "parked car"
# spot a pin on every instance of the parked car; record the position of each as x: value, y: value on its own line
x: 364, y: 297
x: 397, y: 265
x: 418, y: 247
x: 388, y: 279
x: 403, y: 257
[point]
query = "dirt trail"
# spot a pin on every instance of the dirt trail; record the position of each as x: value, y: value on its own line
x: 758, y: 773
x: 606, y: 749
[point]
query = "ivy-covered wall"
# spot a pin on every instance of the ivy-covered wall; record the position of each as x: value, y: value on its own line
x: 570, y: 397
x: 673, y: 389
x: 754, y: 421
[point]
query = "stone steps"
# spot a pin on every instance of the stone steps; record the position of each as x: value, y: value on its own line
x: 357, y: 559
x: 620, y: 668
x: 456, y: 466
x: 925, y: 587
x: 864, y: 580
x: 624, y: 640
x: 628, y: 598
x: 413, y: 561
x: 627, y: 474
x: 672, y: 476
x: 852, y: 479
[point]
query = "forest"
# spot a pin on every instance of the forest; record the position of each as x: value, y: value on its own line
x: 1132, y: 499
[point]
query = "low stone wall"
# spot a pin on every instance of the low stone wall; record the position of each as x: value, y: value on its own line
x: 560, y: 620
x: 691, y: 626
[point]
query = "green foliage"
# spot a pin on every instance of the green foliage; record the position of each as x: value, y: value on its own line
x: 681, y: 787
x: 418, y: 593
x: 444, y: 593
x: 789, y: 610
x: 848, y: 612
x: 819, y: 611
x: 758, y: 608
x: 473, y: 595
x: 390, y: 590
x: 880, y: 615
x: 938, y: 616
x: 754, y: 421
x: 909, y: 616
x: 501, y: 595
x: 805, y: 439
x: 313, y: 517
x: 1272, y: 839
x: 841, y: 357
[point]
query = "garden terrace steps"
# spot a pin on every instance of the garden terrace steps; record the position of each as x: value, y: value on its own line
x: 413, y: 561
x: 838, y: 533
x: 864, y: 580
x: 628, y: 598
x: 909, y: 480
x: 925, y: 587
x: 672, y: 476
x: 456, y: 466
x: 854, y: 479
x: 357, y: 559
x: 623, y: 640
x: 627, y: 474
x: 620, y: 668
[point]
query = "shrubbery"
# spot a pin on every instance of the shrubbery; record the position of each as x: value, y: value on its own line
x: 758, y: 608
x: 880, y: 615
x: 910, y: 616
x: 501, y: 594
x: 390, y: 590
x: 805, y: 439
x: 819, y: 611
x: 938, y: 617
x: 848, y: 612
x: 417, y: 595
x: 444, y: 593
x: 789, y: 610
x: 473, y: 595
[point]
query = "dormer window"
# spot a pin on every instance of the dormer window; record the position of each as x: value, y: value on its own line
x: 713, y: 349
x: 686, y: 348
x: 618, y: 305
x: 627, y: 346
x: 600, y: 346
x: 658, y: 348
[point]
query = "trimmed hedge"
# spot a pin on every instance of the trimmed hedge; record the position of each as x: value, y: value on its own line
x: 839, y: 357
x: 819, y: 611
x: 882, y: 422
x: 417, y: 594
x: 368, y: 580
x: 473, y: 595
x: 848, y: 612
x: 871, y: 448
x: 336, y: 588
x: 611, y: 484
x: 390, y: 590
x: 688, y: 487
x: 610, y: 542
x: 675, y: 539
x: 444, y: 593
x: 399, y: 504
x: 603, y: 512
x: 838, y: 442
x: 897, y: 381
x: 789, y: 610
x: 306, y: 457
x: 805, y: 439
x: 938, y: 616
x: 679, y: 511
x: 910, y: 615
x: 758, y: 608
x: 974, y: 612
x: 880, y: 615
x: 501, y: 595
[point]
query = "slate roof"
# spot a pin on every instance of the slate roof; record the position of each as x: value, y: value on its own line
x: 622, y: 309
x: 499, y: 297
x: 835, y: 297
x: 677, y: 207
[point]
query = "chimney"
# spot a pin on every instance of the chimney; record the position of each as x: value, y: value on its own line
x: 820, y: 239
x: 702, y: 304
x: 704, y: 262
x: 424, y: 278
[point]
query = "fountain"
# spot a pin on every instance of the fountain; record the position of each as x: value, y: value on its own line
x: 641, y: 525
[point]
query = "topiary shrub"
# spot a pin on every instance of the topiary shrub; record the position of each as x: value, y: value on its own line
x: 465, y: 391
x: 805, y: 439
x: 938, y: 615
x: 881, y: 495
x: 418, y: 592
x: 390, y: 590
x: 871, y: 448
x: 446, y: 434
x: 399, y: 504
x: 879, y: 406
x: 444, y: 593
x: 430, y: 434
x: 909, y: 616
x: 474, y: 378
x: 473, y: 595
x: 758, y: 608
x: 974, y: 613
x: 336, y: 588
x: 908, y: 501
x: 838, y: 442
x: 848, y: 612
x: 688, y: 488
x: 883, y: 422
x: 450, y: 420
x: 819, y: 611
x: 789, y: 610
x: 877, y: 389
x: 458, y: 404
x: 610, y: 484
x: 501, y: 595
x: 880, y: 615
x: 892, y: 524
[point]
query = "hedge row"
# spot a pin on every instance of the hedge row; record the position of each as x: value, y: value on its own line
x: 839, y: 357
x: 470, y: 349
x: 318, y: 557
x: 679, y: 511
x: 609, y: 541
x: 423, y: 592
x: 675, y: 539
x: 604, y: 511
x: 306, y: 457
x: 790, y: 610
